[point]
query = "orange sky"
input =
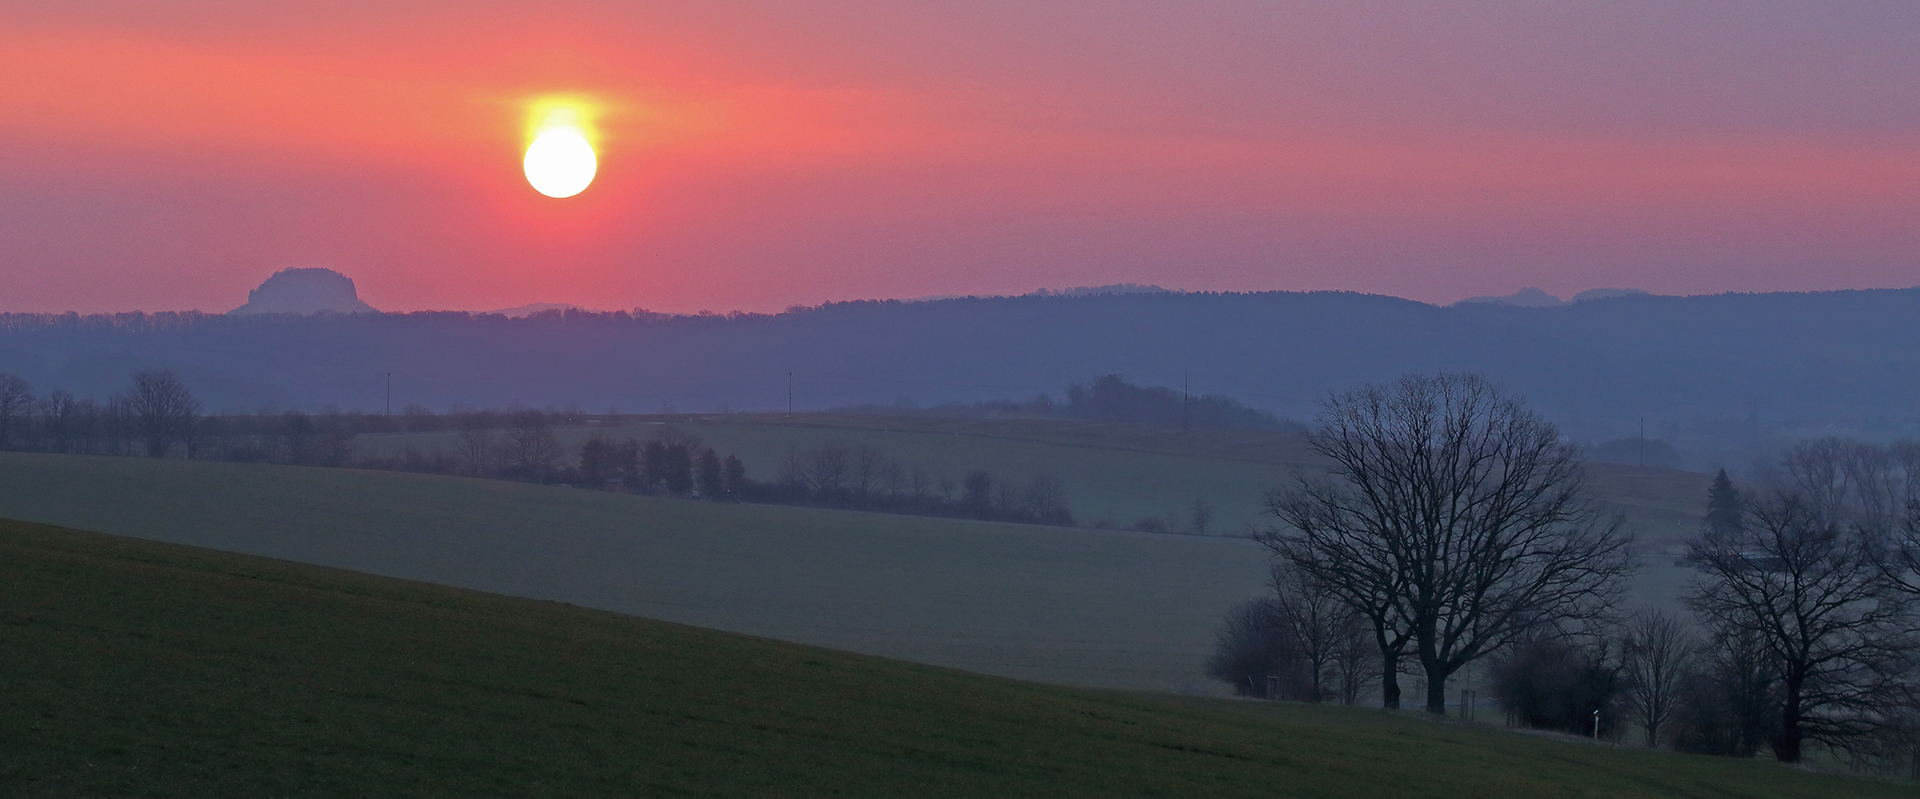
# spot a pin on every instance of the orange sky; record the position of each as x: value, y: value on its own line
x: 757, y: 155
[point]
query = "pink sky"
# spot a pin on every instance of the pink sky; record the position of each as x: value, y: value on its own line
x: 758, y: 155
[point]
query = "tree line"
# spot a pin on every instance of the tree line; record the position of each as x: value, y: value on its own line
x: 157, y: 416
x: 154, y: 415
x: 1456, y: 530
x: 860, y: 476
x: 1108, y: 398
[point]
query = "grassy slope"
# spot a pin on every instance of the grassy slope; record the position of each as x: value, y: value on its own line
x: 1124, y: 472
x: 135, y: 668
x: 1081, y: 607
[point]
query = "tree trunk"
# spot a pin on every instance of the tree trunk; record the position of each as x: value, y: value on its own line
x: 1786, y: 749
x: 1390, y: 682
x: 1436, y: 694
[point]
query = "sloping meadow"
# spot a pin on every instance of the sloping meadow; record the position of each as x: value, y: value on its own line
x: 1071, y: 606
x: 136, y: 668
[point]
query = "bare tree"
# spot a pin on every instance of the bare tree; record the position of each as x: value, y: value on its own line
x: 1453, y: 519
x: 476, y: 451
x: 164, y: 410
x: 530, y: 450
x: 1251, y: 647
x: 867, y: 471
x: 1905, y: 454
x: 1046, y: 499
x: 1816, y: 469
x: 1570, y: 683
x: 793, y: 471
x: 1748, y: 688
x: 827, y: 467
x: 1878, y: 500
x: 1200, y: 515
x: 16, y: 402
x: 1007, y: 499
x: 892, y: 477
x: 86, y: 425
x: 1354, y: 563
x: 1321, y: 627
x: 1657, y: 655
x: 1727, y: 707
x: 60, y: 416
x: 1353, y: 651
x: 1834, y: 628
x: 1852, y: 481
x: 120, y: 425
x: 1899, y: 559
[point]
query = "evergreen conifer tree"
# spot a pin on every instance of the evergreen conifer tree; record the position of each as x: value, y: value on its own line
x: 1723, y: 505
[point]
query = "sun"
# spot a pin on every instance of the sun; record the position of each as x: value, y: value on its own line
x: 560, y: 161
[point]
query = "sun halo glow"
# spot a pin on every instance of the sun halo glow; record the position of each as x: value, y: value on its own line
x: 560, y: 161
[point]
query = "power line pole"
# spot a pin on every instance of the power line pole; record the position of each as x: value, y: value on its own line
x: 1183, y: 401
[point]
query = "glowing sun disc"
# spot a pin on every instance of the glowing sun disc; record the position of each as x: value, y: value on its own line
x: 560, y: 162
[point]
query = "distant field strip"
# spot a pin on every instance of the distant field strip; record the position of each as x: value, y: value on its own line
x: 1119, y: 473
x: 1078, y: 607
x: 1122, y: 473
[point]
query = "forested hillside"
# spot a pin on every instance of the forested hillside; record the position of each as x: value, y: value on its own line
x: 1842, y: 358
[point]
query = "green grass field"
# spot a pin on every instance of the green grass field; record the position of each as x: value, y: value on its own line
x: 135, y: 668
x: 1078, y: 607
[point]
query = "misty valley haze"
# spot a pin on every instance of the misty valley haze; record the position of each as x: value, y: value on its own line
x: 1807, y: 360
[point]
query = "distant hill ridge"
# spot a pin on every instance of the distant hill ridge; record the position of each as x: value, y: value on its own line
x: 1535, y: 298
x: 1843, y: 356
x: 304, y: 291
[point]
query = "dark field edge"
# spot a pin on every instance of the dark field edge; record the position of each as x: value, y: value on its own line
x: 137, y: 668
